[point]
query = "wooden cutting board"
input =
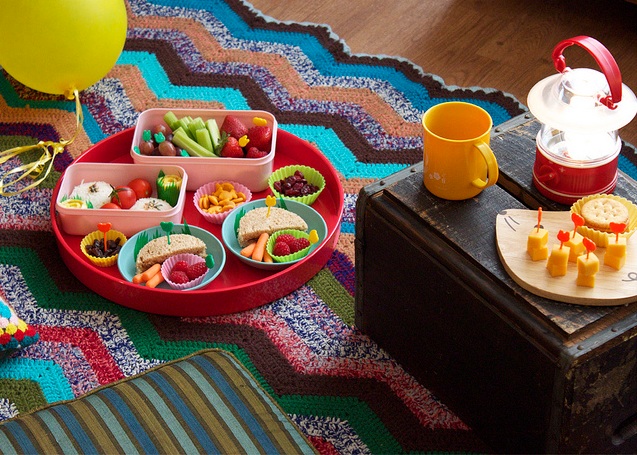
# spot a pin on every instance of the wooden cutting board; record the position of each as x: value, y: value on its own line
x: 612, y: 287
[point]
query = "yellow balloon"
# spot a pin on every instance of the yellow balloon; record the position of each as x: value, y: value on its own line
x: 57, y: 46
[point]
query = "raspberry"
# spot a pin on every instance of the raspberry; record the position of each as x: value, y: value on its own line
x: 178, y: 277
x: 286, y: 238
x: 299, y: 244
x: 281, y: 249
x: 196, y: 270
x: 180, y: 266
x: 254, y: 152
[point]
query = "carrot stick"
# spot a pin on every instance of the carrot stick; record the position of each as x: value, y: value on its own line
x: 247, y: 251
x: 259, y: 248
x: 155, y: 280
x: 267, y: 257
x: 147, y: 275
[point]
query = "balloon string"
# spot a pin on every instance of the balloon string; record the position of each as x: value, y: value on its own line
x: 39, y: 169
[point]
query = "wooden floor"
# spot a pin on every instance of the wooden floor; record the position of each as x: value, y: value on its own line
x: 502, y: 44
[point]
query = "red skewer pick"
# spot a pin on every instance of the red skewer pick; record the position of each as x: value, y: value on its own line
x: 104, y: 228
x: 563, y: 236
x: 578, y: 220
x: 617, y: 228
x: 590, y: 246
x: 539, y: 218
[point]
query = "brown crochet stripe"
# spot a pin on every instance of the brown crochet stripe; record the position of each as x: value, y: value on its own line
x: 284, y: 380
x: 264, y: 354
x: 435, y: 88
x: 179, y: 74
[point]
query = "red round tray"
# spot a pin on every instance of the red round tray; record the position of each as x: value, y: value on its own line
x: 239, y: 287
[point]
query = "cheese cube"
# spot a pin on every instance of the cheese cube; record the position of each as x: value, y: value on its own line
x: 557, y: 263
x: 576, y: 244
x: 538, y: 254
x: 587, y: 266
x: 588, y: 281
x: 537, y: 238
x: 615, y: 262
x: 615, y: 256
x: 617, y: 248
x: 536, y: 244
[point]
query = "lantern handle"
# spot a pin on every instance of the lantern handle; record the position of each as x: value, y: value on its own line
x: 603, y: 58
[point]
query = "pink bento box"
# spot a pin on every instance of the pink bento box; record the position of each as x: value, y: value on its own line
x: 77, y: 221
x: 251, y: 172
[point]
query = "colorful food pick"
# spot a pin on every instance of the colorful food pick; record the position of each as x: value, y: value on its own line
x: 615, y: 256
x: 259, y: 121
x: 270, y: 201
x: 575, y: 244
x: 104, y: 228
x: 578, y: 220
x: 617, y: 228
x: 210, y: 261
x: 587, y: 265
x: 167, y: 227
x: 243, y: 141
x: 536, y: 244
x: 313, y: 238
x: 558, y: 260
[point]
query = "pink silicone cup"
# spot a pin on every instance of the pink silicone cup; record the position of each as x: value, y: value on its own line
x: 209, y: 188
x: 190, y: 259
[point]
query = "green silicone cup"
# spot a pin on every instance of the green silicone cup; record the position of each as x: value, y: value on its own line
x: 290, y: 257
x: 311, y: 175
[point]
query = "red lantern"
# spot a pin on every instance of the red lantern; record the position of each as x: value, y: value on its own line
x: 580, y: 110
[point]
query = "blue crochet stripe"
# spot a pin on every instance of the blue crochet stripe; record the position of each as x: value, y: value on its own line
x: 341, y: 157
x: 627, y: 166
x: 158, y: 81
x: 322, y: 59
x: 347, y: 228
x: 46, y: 373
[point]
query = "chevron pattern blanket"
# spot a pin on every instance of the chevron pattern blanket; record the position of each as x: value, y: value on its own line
x: 363, y: 112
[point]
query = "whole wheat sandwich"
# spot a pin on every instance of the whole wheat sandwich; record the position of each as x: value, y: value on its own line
x: 158, y: 250
x: 256, y: 221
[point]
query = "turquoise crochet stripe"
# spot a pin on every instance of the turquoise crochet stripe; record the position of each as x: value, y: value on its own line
x: 322, y: 59
x: 328, y: 142
x: 46, y: 373
x: 158, y: 81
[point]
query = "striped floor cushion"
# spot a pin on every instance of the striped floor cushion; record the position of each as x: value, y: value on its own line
x: 205, y: 403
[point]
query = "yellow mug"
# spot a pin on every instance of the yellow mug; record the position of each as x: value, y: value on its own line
x: 458, y: 162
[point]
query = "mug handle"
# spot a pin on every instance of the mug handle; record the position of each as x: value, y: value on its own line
x: 492, y: 166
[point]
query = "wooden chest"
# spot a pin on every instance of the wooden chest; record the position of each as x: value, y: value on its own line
x: 529, y: 374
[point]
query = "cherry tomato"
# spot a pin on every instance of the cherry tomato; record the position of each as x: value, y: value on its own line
x: 141, y: 187
x: 111, y: 205
x: 124, y: 197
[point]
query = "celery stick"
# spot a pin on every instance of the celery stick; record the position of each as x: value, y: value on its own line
x: 203, y: 138
x: 196, y: 124
x: 215, y: 135
x: 183, y: 123
x: 181, y: 139
x: 171, y: 120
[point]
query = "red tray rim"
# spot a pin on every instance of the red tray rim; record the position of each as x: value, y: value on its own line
x: 208, y: 302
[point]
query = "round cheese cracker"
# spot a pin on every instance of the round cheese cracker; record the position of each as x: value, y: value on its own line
x: 598, y: 213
